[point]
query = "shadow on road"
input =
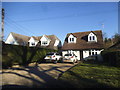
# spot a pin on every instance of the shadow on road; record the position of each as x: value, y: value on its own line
x: 49, y: 81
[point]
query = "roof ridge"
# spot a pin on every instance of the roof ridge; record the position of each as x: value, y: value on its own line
x: 85, y: 31
x: 19, y: 34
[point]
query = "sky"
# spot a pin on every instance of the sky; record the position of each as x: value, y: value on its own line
x: 60, y: 18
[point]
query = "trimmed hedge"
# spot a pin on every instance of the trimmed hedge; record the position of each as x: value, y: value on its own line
x: 22, y: 55
x: 112, y: 57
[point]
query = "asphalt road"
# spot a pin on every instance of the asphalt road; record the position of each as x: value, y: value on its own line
x: 42, y: 75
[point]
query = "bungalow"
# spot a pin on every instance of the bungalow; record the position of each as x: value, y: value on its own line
x: 83, y: 44
x: 45, y: 41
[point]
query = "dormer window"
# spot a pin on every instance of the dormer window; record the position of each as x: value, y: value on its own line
x: 71, y: 39
x: 92, y: 37
x: 44, y: 43
x: 45, y: 40
x: 32, y: 43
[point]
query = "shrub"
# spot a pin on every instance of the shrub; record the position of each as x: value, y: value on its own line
x: 6, y: 62
x: 112, y: 57
x: 23, y: 55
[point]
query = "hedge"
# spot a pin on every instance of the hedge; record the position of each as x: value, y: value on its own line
x: 112, y: 57
x: 22, y: 55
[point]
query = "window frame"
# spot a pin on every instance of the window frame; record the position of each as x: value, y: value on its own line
x: 44, y: 43
x: 33, y: 43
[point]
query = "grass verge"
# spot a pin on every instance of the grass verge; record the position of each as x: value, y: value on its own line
x: 91, y: 75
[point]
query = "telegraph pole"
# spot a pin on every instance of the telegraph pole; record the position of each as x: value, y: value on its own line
x: 2, y: 36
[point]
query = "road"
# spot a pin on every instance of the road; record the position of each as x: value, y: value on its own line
x: 42, y: 75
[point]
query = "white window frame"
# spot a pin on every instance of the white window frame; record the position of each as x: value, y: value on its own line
x: 44, y: 43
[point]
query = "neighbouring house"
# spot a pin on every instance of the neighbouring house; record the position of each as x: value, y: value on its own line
x: 116, y: 46
x: 45, y: 41
x: 83, y: 44
x: 17, y: 39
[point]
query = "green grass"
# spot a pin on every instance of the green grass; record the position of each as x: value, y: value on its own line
x: 91, y: 75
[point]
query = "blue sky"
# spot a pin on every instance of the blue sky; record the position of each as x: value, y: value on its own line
x: 60, y: 18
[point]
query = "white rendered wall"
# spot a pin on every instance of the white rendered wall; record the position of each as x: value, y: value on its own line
x: 85, y: 53
x: 11, y: 40
x: 56, y: 42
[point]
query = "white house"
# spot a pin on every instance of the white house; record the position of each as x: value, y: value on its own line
x: 83, y: 44
x: 17, y: 39
x: 45, y: 41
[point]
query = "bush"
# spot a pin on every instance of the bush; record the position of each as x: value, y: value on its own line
x: 22, y: 55
x: 6, y: 62
x: 111, y: 57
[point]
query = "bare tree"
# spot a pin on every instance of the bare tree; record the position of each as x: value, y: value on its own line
x: 116, y: 38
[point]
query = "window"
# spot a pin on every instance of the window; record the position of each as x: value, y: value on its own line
x: 32, y: 43
x: 90, y: 38
x: 89, y: 52
x: 44, y: 43
x: 93, y: 52
x: 73, y: 39
x: 93, y: 37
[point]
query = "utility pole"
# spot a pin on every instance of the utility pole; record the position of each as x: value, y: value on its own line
x: 2, y: 35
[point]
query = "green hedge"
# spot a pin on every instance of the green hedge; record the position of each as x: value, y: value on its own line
x: 22, y: 55
x: 112, y: 57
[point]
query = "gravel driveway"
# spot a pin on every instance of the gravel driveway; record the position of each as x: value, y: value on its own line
x: 43, y: 75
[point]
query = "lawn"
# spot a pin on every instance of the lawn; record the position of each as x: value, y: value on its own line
x: 91, y: 75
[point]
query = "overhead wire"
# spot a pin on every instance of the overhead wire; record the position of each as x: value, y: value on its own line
x: 12, y: 26
x: 20, y: 26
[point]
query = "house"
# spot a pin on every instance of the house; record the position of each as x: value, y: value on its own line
x: 83, y: 44
x: 45, y: 41
x: 17, y: 39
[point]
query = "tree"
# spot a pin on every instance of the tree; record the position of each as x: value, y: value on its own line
x: 116, y: 38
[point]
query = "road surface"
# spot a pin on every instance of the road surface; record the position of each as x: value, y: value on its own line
x: 42, y: 75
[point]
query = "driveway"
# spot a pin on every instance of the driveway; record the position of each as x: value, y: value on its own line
x: 41, y: 75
